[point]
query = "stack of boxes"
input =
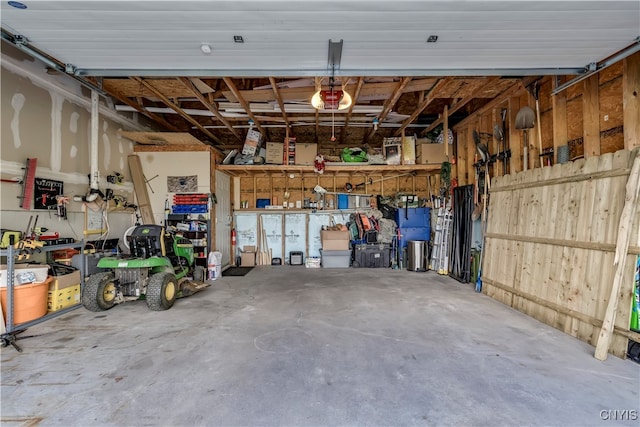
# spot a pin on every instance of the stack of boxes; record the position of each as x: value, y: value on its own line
x: 64, y: 291
x: 335, y: 252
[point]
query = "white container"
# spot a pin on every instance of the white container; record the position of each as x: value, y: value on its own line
x: 335, y: 259
x: 214, y: 265
x: 24, y: 273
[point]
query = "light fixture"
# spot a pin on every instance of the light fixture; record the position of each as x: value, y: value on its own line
x: 205, y: 48
x: 376, y: 123
x: 251, y: 124
x: 332, y: 99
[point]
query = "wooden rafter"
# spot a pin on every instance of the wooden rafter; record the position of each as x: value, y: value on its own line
x: 497, y: 100
x: 211, y: 106
x: 232, y: 87
x: 377, y: 90
x: 276, y: 92
x: 458, y: 105
x: 391, y: 102
x: 142, y: 110
x: 356, y: 94
x: 176, y: 108
x: 424, y: 104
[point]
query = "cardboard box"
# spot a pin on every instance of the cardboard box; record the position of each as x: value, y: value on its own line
x: 252, y: 142
x: 306, y: 154
x: 65, y: 281
x: 409, y: 150
x: 430, y: 153
x: 275, y: 153
x: 63, y: 298
x: 335, y: 240
x: 248, y: 256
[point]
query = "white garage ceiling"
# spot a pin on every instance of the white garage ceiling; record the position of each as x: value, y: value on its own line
x: 150, y: 55
x: 287, y: 38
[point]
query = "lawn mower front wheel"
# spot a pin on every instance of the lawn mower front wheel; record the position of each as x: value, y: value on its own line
x: 99, y: 293
x: 161, y: 291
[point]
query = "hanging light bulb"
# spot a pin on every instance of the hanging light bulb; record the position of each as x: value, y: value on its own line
x: 251, y: 124
x: 333, y: 99
x: 376, y: 122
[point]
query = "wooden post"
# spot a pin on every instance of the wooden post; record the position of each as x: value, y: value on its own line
x: 622, y: 247
x: 515, y: 136
x: 591, y: 113
x: 631, y: 101
x: 445, y: 130
x: 559, y: 102
x: 212, y: 189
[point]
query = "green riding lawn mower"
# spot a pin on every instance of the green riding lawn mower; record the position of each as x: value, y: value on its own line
x: 157, y: 270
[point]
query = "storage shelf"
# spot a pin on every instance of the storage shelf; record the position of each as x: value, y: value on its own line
x: 342, y: 168
x: 12, y: 329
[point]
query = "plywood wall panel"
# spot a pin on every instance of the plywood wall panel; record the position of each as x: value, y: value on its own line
x: 611, y: 109
x: 610, y: 73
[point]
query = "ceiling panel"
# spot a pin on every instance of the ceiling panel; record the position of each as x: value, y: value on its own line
x: 380, y: 37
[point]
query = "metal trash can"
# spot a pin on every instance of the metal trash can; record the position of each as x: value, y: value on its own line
x: 417, y: 255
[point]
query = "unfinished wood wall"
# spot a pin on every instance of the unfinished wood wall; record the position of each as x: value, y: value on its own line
x: 550, y: 245
x: 300, y: 186
x: 596, y: 116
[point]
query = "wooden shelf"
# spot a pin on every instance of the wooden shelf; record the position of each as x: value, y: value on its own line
x: 336, y: 169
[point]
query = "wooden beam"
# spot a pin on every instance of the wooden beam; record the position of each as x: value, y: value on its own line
x: 389, y: 104
x: 176, y: 108
x: 276, y: 92
x: 591, y: 113
x: 461, y: 103
x: 142, y: 110
x: 244, y: 104
x: 631, y: 101
x: 622, y: 246
x: 211, y: 106
x: 424, y: 104
x: 560, y: 128
x: 500, y: 98
x: 356, y: 94
x: 445, y: 130
x: 370, y: 91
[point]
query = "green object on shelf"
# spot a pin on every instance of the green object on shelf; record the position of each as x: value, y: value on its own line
x: 353, y: 155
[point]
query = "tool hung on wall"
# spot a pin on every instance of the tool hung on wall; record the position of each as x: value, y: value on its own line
x: 349, y: 187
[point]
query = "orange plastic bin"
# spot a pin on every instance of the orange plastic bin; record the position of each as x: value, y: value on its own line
x: 29, y: 301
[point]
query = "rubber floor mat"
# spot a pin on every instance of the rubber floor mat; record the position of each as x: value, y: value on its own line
x: 236, y: 271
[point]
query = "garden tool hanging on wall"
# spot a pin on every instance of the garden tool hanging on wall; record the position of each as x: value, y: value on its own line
x: 525, y: 120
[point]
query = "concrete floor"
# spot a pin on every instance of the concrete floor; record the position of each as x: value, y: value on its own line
x: 305, y: 347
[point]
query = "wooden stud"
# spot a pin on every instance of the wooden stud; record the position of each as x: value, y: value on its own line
x: 591, y: 119
x: 445, y: 130
x: 515, y: 137
x: 631, y: 101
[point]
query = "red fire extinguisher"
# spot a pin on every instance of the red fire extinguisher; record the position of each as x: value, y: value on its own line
x: 233, y: 246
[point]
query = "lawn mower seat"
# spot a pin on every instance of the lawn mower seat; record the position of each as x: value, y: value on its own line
x: 146, y: 241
